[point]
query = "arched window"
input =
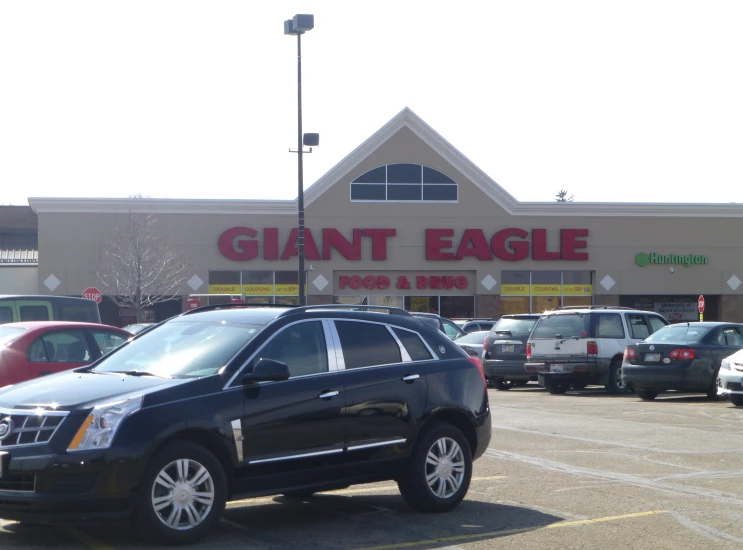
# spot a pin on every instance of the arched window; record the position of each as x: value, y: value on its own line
x: 404, y: 183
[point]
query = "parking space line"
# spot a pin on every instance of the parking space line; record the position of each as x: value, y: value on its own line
x: 341, y: 492
x: 87, y: 540
x: 474, y: 536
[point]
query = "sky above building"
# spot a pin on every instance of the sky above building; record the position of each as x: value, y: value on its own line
x: 612, y: 101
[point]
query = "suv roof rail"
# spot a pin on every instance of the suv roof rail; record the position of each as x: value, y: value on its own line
x: 353, y: 307
x: 230, y: 306
x: 593, y: 307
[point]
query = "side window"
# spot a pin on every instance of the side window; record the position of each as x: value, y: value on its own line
x: 66, y: 347
x: 36, y: 352
x: 33, y: 313
x: 107, y: 341
x: 638, y: 327
x: 609, y: 325
x: 413, y: 344
x: 451, y: 330
x: 729, y: 337
x: 367, y: 344
x: 656, y: 323
x: 302, y: 347
x: 6, y: 314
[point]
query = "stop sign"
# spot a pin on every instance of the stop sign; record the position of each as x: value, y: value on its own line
x: 700, y: 304
x: 193, y: 303
x: 92, y: 293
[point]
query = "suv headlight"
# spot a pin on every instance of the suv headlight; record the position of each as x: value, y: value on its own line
x: 98, y: 430
x: 725, y: 364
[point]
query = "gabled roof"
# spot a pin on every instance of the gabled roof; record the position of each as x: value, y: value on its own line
x: 404, y: 119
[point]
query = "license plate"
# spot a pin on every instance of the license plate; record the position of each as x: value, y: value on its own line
x: 507, y: 348
x: 556, y: 368
x: 4, y: 459
x: 652, y: 357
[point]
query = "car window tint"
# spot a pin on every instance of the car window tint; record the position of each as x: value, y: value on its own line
x: 85, y: 314
x: 609, y: 325
x: 302, y: 347
x: 367, y: 344
x: 34, y: 313
x: 413, y: 344
x: 638, y: 327
x: 108, y: 341
x: 6, y: 314
x: 729, y: 337
x: 563, y: 325
x: 656, y: 323
x: 36, y: 352
x: 514, y: 325
x: 66, y: 347
x: 451, y: 330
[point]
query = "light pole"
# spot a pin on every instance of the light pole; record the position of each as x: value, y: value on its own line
x: 297, y: 26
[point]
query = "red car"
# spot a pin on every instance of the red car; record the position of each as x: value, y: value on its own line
x: 36, y: 348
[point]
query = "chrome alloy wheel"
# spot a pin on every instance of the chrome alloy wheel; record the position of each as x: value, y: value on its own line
x: 183, y: 494
x: 445, y: 467
x: 619, y: 381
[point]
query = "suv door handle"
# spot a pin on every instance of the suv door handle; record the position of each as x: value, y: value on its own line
x: 410, y: 377
x: 328, y: 394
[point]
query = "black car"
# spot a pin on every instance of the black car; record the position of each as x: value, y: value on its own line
x: 683, y: 356
x: 504, y: 352
x: 228, y: 402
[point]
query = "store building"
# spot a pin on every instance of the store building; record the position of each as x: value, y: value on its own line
x: 19, y: 257
x: 405, y: 219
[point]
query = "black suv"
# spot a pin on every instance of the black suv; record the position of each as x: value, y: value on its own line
x: 504, y: 352
x: 227, y: 402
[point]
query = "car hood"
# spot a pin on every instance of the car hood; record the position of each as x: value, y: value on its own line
x: 73, y: 391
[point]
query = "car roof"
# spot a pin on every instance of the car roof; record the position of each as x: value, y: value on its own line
x: 521, y: 316
x: 38, y: 325
x: 710, y: 324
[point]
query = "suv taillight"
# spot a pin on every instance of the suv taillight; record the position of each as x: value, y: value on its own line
x: 630, y: 353
x: 682, y: 353
x: 592, y: 348
x: 528, y: 349
x: 476, y: 361
x: 485, y: 344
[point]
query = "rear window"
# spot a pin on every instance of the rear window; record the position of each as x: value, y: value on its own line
x: 82, y: 313
x: 8, y: 334
x: 515, y: 326
x: 570, y: 325
x: 678, y: 334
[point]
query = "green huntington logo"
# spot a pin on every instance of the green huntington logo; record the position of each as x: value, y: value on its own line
x: 644, y: 258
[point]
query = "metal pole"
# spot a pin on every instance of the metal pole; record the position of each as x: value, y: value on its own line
x: 300, y: 177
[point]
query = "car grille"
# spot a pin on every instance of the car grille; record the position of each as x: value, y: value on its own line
x: 34, y: 427
x: 734, y: 386
x: 21, y: 483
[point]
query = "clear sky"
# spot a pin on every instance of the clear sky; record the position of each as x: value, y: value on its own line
x: 614, y: 101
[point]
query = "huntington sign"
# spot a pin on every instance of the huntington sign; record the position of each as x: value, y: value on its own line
x: 646, y: 258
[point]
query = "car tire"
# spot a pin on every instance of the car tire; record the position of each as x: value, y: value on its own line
x: 736, y: 399
x: 647, y: 395
x: 578, y: 385
x: 449, y: 478
x: 502, y: 384
x: 555, y: 387
x: 616, y: 385
x: 521, y: 383
x: 180, y: 471
x: 712, y: 389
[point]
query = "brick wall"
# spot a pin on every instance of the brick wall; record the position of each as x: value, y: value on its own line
x: 732, y: 308
x: 487, y: 305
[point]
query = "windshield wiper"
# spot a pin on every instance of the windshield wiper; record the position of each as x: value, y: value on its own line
x: 136, y: 373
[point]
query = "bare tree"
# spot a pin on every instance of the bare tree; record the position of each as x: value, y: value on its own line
x: 562, y: 196
x: 139, y: 268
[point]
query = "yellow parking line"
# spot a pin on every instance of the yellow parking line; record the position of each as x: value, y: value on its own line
x: 459, y: 538
x: 236, y: 503
x: 87, y: 540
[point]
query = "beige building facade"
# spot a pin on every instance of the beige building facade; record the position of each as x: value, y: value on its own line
x: 405, y: 219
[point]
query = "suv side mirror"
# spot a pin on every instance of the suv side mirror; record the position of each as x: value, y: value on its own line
x: 267, y: 370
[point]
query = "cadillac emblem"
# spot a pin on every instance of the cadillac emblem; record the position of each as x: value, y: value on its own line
x: 6, y: 428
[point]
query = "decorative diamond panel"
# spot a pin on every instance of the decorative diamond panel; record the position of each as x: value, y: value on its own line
x: 607, y: 282
x: 733, y: 282
x: 488, y: 282
x: 52, y: 282
x: 195, y: 282
x: 320, y: 282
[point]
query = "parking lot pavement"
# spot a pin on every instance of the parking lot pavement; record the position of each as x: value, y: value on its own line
x: 581, y: 470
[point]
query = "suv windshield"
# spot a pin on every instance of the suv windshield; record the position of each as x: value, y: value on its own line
x: 180, y: 349
x: 565, y: 325
x: 515, y: 326
x: 678, y: 334
x: 8, y: 334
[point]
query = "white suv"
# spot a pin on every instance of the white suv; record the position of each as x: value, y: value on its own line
x: 578, y: 346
